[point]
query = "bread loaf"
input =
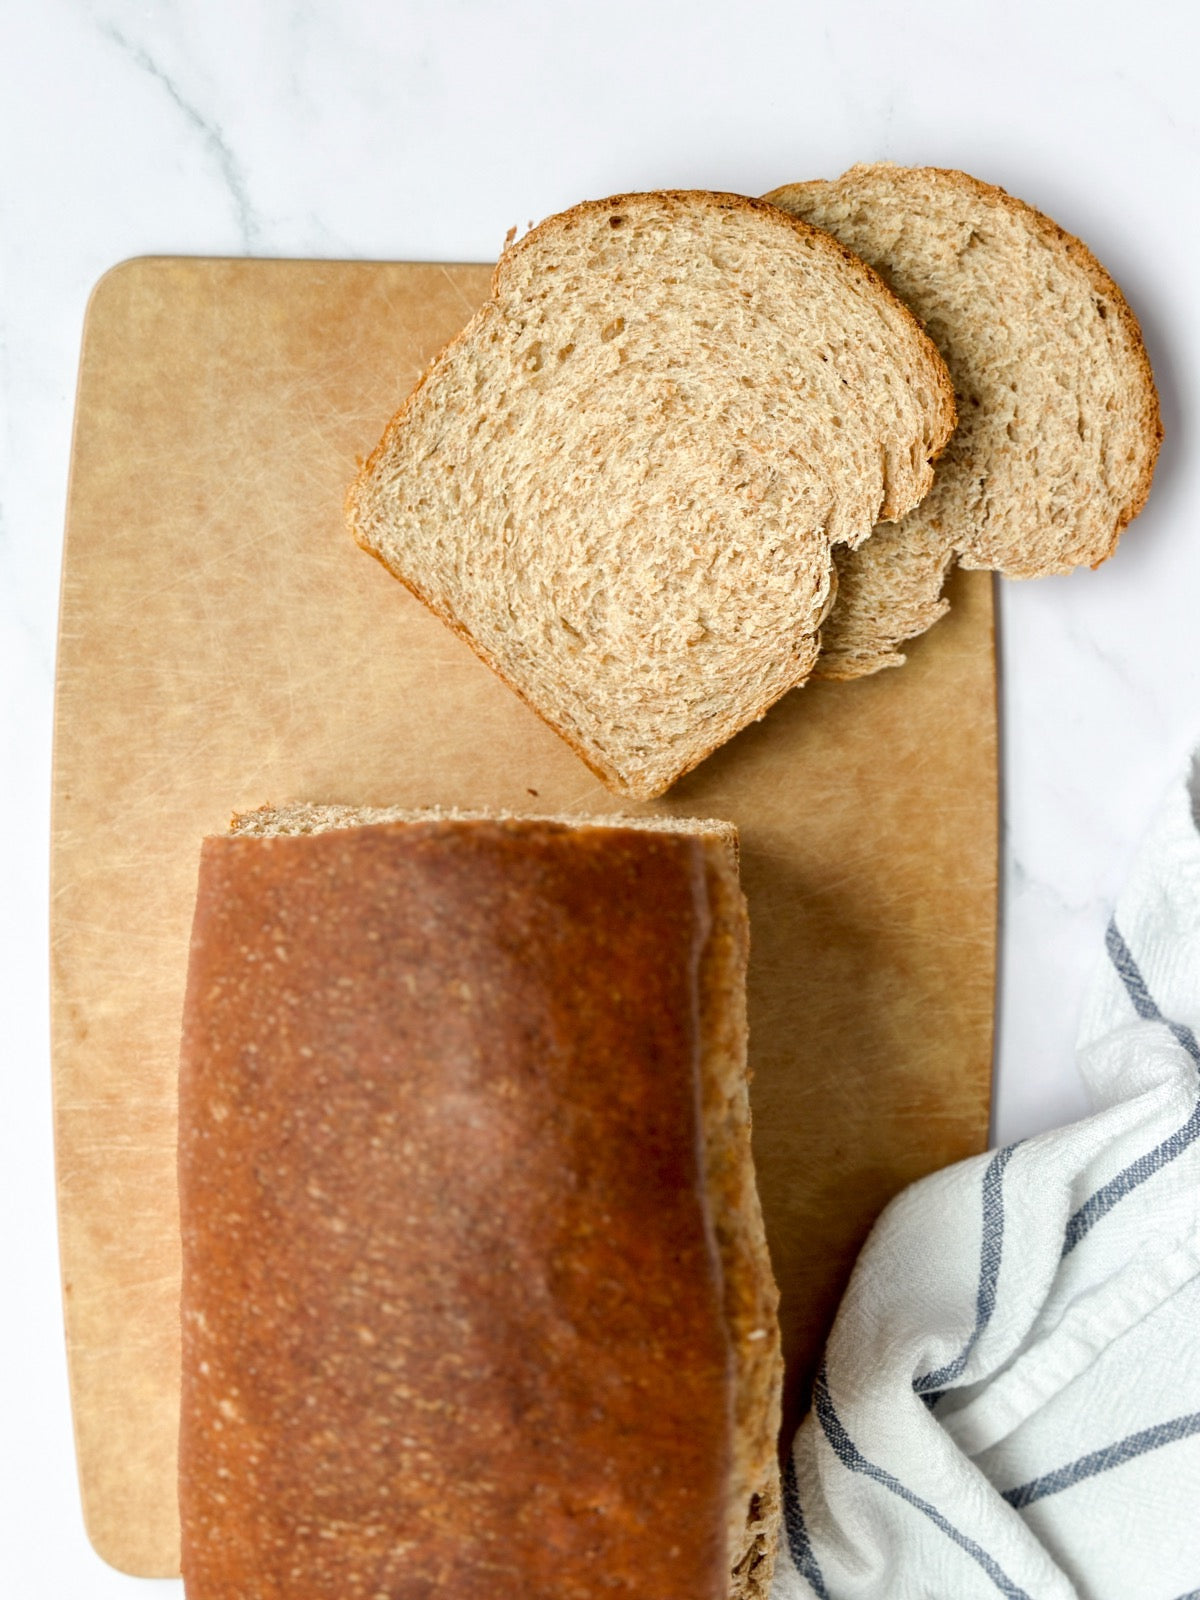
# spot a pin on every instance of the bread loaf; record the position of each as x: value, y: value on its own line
x: 1059, y: 423
x: 476, y: 1299
x: 623, y: 482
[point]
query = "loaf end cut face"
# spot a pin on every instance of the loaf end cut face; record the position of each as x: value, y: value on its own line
x: 622, y: 484
x: 1059, y: 425
x: 476, y: 1299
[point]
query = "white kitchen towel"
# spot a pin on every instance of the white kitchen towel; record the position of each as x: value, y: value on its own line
x: 1009, y: 1402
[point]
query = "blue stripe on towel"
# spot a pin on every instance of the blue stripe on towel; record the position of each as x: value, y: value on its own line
x: 1113, y: 1455
x: 1136, y: 1173
x: 1144, y: 1003
x: 799, y: 1544
x: 1154, y: 1160
x: 853, y: 1459
x: 931, y: 1386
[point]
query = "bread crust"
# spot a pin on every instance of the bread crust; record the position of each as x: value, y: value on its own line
x: 436, y: 1077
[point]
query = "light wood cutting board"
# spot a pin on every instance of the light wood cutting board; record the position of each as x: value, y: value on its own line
x: 224, y: 643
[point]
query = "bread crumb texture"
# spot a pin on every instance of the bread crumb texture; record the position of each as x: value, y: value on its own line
x: 623, y: 482
x: 1059, y: 424
x: 303, y: 817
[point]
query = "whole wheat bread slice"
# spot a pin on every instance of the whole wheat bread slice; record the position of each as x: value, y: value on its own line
x: 623, y: 481
x: 1058, y: 415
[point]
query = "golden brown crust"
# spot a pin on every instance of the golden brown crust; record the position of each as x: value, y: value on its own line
x: 453, y: 1310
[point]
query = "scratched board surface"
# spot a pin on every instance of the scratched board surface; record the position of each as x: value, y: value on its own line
x: 224, y: 643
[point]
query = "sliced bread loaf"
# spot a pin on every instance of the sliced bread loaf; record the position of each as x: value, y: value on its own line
x: 622, y: 482
x: 1058, y: 415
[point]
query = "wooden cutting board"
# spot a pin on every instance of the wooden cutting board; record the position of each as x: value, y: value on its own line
x: 224, y: 643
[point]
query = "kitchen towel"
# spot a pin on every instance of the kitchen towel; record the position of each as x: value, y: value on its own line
x: 1009, y: 1402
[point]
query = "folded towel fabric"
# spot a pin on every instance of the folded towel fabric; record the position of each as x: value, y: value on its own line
x: 1010, y: 1397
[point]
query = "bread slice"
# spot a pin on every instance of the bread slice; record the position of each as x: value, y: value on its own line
x: 1059, y: 422
x: 476, y: 1295
x: 889, y: 590
x: 622, y: 482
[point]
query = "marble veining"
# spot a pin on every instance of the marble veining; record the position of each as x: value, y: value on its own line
x: 208, y: 132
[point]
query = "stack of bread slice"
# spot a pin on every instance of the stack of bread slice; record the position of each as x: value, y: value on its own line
x: 679, y: 462
x: 1058, y: 419
x: 624, y: 482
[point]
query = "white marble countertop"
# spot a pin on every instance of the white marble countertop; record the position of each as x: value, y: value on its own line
x: 423, y: 130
